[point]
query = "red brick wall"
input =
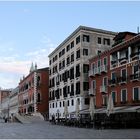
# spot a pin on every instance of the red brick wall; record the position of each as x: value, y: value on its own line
x: 44, y: 87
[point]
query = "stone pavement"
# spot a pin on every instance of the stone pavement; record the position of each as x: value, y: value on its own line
x: 45, y: 130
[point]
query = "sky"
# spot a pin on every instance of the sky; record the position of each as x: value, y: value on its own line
x: 31, y: 30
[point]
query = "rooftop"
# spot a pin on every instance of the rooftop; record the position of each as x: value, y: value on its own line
x: 82, y: 28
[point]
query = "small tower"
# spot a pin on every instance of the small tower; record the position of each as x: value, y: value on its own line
x: 32, y: 67
x: 35, y: 66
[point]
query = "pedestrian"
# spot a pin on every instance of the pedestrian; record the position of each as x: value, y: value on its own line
x: 5, y: 119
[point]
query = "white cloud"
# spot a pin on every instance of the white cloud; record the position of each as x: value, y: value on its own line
x: 14, y: 66
x: 40, y: 56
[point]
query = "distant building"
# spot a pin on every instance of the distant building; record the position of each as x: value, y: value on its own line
x: 13, y: 102
x: 34, y: 91
x: 4, y: 102
x: 69, y: 66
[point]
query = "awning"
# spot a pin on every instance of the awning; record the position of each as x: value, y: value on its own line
x: 129, y: 109
x: 122, y: 109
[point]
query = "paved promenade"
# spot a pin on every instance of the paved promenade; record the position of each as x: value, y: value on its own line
x: 46, y: 130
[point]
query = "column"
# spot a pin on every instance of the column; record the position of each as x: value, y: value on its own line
x: 35, y: 91
x: 129, y: 53
x: 118, y: 57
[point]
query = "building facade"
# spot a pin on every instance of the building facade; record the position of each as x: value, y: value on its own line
x: 13, y: 102
x: 69, y: 66
x: 34, y: 92
x: 117, y: 72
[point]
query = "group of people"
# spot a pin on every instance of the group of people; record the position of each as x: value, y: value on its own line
x: 7, y: 119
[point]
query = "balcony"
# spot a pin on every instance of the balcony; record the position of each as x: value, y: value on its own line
x: 91, y: 73
x: 114, y: 63
x: 135, y: 55
x: 104, y: 68
x: 122, y: 80
x: 103, y: 89
x: 123, y: 60
x: 92, y: 91
x: 97, y: 71
x: 135, y: 76
x: 112, y: 82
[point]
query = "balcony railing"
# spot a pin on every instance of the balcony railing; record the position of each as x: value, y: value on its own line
x: 123, y: 60
x: 103, y: 89
x: 114, y: 63
x: 104, y: 68
x: 97, y: 70
x: 122, y: 79
x: 135, y: 55
x: 91, y: 73
x: 135, y: 76
x: 113, y: 82
x: 92, y: 91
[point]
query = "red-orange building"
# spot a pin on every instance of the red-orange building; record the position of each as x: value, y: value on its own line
x: 34, y: 91
x: 117, y: 72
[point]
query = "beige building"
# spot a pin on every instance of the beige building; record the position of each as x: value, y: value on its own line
x: 69, y: 66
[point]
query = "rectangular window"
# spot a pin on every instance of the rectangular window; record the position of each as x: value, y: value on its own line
x: 135, y: 69
x: 77, y: 54
x: 68, y: 103
x: 60, y: 54
x: 78, y: 88
x: 105, y: 81
x: 78, y: 70
x: 99, y: 40
x: 63, y: 51
x: 106, y: 41
x: 85, y: 51
x: 72, y: 57
x: 72, y: 44
x: 72, y: 102
x: 114, y: 96
x: 68, y: 48
x: 68, y: 60
x: 72, y: 73
x: 85, y: 86
x: 123, y: 95
x: 113, y: 75
x: 72, y: 90
x: 123, y: 75
x: 85, y: 68
x: 63, y: 63
x: 86, y: 38
x: 105, y: 61
x: 50, y: 62
x: 78, y: 39
x: 86, y: 101
x: 60, y: 104
x: 136, y: 94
